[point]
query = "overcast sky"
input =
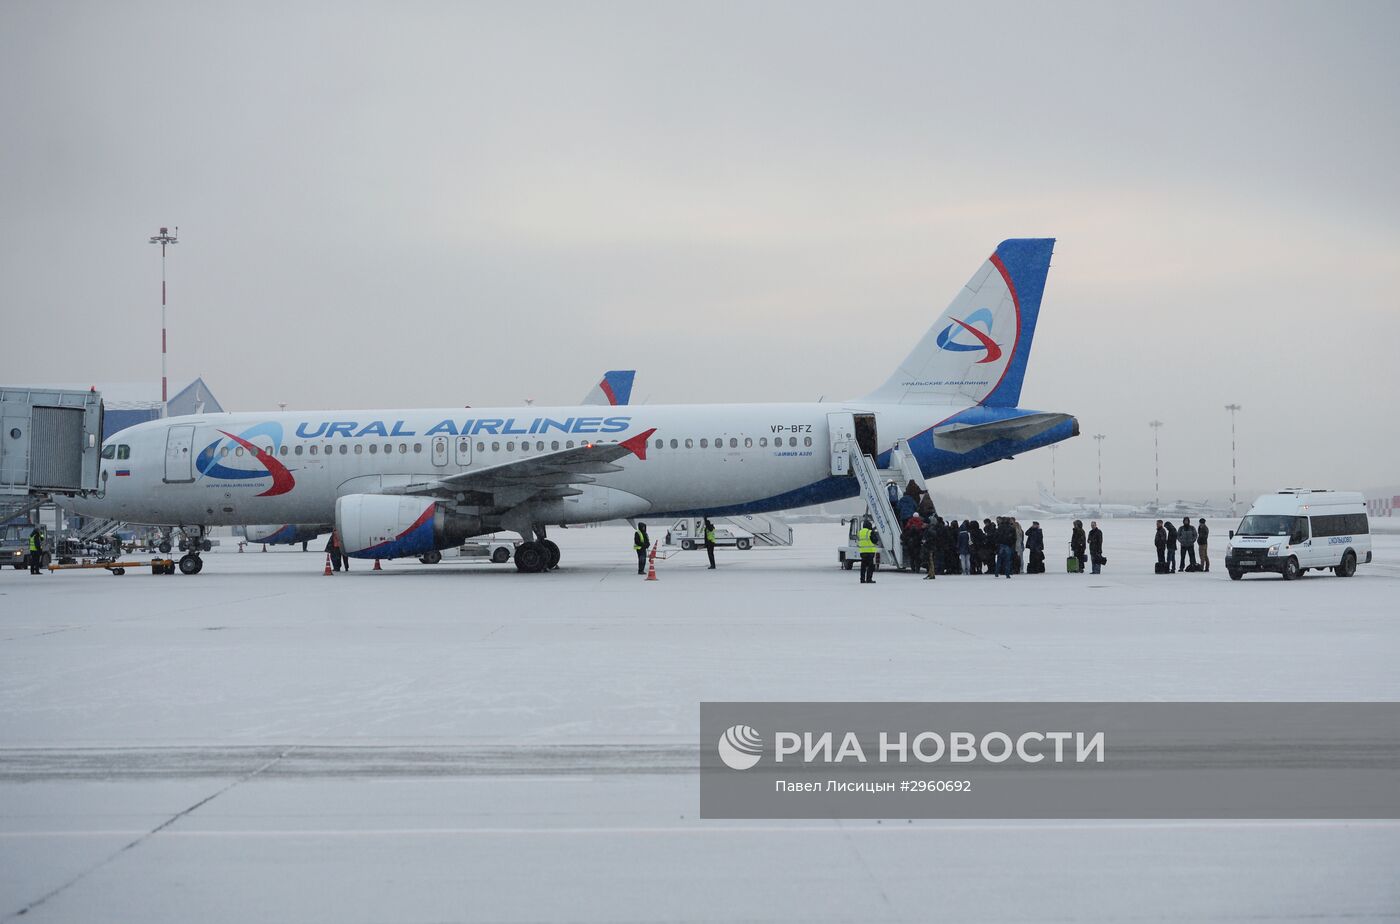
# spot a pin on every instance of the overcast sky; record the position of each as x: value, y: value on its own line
x: 406, y: 205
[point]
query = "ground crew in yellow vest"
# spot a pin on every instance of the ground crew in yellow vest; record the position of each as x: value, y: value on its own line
x: 640, y: 543
x: 710, y: 542
x: 36, y: 550
x: 869, y: 544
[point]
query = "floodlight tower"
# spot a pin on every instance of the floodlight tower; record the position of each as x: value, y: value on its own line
x: 1098, y: 438
x: 1156, y: 425
x: 1234, y: 489
x: 163, y: 238
x: 1053, y: 490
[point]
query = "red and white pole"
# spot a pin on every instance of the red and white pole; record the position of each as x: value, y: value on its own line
x: 164, y: 238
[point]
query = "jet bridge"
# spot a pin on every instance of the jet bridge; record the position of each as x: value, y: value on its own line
x: 50, y: 445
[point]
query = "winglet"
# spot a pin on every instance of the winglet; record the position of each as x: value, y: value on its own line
x: 637, y: 445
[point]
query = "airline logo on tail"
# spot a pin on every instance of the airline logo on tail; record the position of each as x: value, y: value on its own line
x: 209, y: 462
x: 946, y: 337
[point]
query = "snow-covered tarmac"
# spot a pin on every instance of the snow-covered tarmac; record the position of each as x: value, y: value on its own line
x: 462, y: 742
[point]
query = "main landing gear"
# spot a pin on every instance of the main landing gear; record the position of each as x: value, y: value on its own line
x: 534, y: 556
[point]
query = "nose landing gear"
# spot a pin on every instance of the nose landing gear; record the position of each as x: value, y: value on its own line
x: 195, y: 542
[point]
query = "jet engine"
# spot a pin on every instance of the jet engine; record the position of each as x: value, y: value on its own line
x: 394, y: 526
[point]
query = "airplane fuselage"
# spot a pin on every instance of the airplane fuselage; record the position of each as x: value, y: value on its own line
x: 229, y: 469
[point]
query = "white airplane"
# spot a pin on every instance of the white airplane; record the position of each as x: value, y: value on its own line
x: 407, y: 483
x: 1189, y: 508
x: 1051, y: 507
x: 614, y: 389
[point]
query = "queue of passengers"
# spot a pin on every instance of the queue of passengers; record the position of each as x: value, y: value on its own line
x: 936, y: 546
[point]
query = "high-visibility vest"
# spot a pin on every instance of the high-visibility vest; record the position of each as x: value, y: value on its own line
x: 866, y: 545
x: 36, y: 544
x: 639, y: 541
x: 710, y: 536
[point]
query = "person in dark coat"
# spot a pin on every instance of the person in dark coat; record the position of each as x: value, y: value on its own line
x: 989, y: 546
x: 905, y: 509
x: 333, y: 547
x: 1161, y: 542
x: 974, y: 530
x: 1035, y: 549
x: 927, y: 512
x: 913, y: 541
x: 965, y: 548
x: 930, y: 563
x: 1171, y: 547
x: 1202, y: 535
x: 1078, y: 542
x: 710, y: 542
x: 1006, y: 547
x: 1186, y: 536
x: 1096, y: 558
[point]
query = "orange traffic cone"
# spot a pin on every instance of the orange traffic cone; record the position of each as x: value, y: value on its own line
x: 376, y: 565
x: 651, y: 564
x: 328, y: 564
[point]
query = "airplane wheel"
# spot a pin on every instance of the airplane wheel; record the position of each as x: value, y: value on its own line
x: 207, y: 546
x: 164, y: 546
x: 431, y: 558
x: 190, y: 564
x: 553, y: 551
x: 500, y: 556
x: 531, y: 557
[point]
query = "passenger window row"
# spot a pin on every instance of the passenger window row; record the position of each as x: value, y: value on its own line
x: 316, y: 449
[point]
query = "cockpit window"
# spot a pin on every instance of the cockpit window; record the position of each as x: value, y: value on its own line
x: 109, y: 451
x: 123, y: 451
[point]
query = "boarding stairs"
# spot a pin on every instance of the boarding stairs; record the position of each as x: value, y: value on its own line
x: 878, y: 507
x: 768, y: 531
x: 904, y: 467
x: 97, y: 528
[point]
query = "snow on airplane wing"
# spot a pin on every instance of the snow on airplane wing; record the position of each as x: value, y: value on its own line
x: 550, y: 474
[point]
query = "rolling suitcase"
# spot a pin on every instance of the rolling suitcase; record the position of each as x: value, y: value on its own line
x: 1161, y: 567
x: 1072, y: 565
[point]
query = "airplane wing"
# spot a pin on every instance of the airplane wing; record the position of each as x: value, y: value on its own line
x: 548, y: 475
x: 967, y: 437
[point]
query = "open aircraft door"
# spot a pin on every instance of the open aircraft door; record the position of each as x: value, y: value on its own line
x: 842, y: 432
x: 179, y: 454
